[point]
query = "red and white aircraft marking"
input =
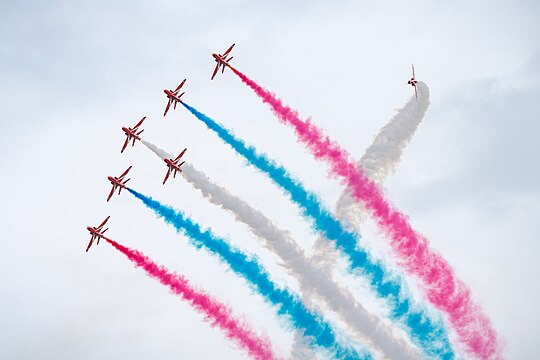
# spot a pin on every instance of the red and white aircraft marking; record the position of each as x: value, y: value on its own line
x: 413, y: 83
x: 97, y: 233
x: 221, y: 60
x: 173, y: 96
x: 173, y: 165
x: 132, y: 134
x: 118, y: 182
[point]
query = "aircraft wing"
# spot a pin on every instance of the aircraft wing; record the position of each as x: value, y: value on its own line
x: 167, y: 176
x: 125, y: 172
x: 90, y: 244
x: 138, y: 124
x: 111, y: 193
x: 125, y: 144
x: 103, y: 223
x: 179, y: 156
x: 167, y: 108
x: 215, y: 71
x: 228, y: 51
x: 179, y: 86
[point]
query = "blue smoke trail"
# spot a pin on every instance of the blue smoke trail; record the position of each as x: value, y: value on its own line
x: 429, y: 334
x: 314, y: 327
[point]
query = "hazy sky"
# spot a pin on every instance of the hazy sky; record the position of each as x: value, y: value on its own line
x: 74, y: 72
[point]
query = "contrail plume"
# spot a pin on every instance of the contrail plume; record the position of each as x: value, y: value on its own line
x: 437, y: 279
x: 373, y: 332
x: 314, y: 327
x: 384, y: 154
x: 426, y: 332
x: 379, y: 161
x: 216, y: 313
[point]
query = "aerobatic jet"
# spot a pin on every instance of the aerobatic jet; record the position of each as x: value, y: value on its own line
x: 118, y: 182
x: 413, y: 82
x: 97, y: 233
x: 173, y: 96
x: 222, y: 61
x: 132, y: 134
x: 173, y: 165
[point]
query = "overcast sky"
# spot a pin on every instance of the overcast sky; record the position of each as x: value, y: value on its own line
x: 73, y: 72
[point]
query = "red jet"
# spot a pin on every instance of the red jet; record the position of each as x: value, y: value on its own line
x: 221, y: 60
x: 173, y: 96
x: 132, y: 134
x: 173, y: 165
x: 413, y: 82
x: 96, y: 233
x: 118, y: 183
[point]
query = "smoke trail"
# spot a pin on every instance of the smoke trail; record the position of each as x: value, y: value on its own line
x: 300, y: 350
x: 429, y: 334
x: 316, y: 329
x: 371, y: 330
x: 442, y: 288
x: 215, y: 312
x: 162, y: 154
x: 383, y: 155
x: 379, y: 161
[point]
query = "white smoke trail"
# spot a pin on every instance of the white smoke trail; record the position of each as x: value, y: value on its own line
x: 313, y: 280
x: 379, y: 161
x: 300, y: 349
x: 162, y: 154
x: 384, y: 154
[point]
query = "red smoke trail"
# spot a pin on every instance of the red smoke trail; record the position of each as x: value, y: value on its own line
x: 438, y: 281
x: 214, y: 311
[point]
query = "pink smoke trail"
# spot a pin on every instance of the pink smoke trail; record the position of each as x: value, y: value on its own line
x: 442, y: 288
x: 217, y: 313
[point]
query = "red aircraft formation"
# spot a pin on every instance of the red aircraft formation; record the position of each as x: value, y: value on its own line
x: 173, y: 165
x: 413, y: 83
x: 96, y: 233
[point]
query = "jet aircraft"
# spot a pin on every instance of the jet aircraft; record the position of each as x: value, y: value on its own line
x: 118, y: 182
x: 97, y: 233
x: 173, y: 165
x: 412, y: 81
x: 222, y: 61
x: 173, y: 97
x: 132, y: 134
